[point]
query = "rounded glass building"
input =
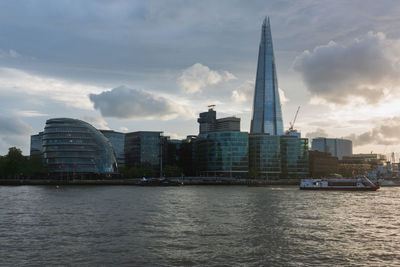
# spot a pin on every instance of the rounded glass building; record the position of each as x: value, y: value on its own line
x: 75, y: 146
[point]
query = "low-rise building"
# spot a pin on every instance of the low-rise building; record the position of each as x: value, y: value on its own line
x: 322, y: 164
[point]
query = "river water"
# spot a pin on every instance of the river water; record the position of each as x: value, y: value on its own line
x: 197, y: 226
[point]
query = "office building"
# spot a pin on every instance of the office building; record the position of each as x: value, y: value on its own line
x: 208, y: 122
x: 265, y: 155
x: 36, y: 144
x: 143, y: 149
x: 74, y: 146
x: 267, y: 113
x: 275, y: 157
x: 117, y: 141
x: 222, y: 154
x: 187, y: 160
x: 295, y: 157
x: 228, y: 124
x: 322, y: 164
x: 337, y: 147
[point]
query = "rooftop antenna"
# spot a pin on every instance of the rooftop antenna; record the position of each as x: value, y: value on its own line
x: 211, y: 106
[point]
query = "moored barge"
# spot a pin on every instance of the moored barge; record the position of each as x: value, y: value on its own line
x: 352, y: 184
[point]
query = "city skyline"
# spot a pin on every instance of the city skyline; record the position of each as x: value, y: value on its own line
x: 132, y: 66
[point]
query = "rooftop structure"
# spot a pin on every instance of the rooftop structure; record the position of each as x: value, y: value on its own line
x: 209, y: 123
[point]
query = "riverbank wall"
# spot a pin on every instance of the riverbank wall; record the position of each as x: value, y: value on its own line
x: 183, y: 180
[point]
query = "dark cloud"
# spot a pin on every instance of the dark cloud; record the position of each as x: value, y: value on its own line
x: 385, y: 134
x: 362, y: 68
x: 126, y: 103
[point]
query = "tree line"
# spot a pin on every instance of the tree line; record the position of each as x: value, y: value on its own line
x: 16, y: 166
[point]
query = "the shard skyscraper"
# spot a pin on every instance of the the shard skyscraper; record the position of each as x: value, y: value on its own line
x: 267, y: 113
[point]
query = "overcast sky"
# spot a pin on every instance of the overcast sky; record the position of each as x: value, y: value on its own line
x: 154, y: 65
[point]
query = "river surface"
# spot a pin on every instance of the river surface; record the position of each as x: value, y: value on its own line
x: 197, y: 226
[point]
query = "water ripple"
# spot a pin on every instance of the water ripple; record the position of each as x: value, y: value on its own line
x: 198, y: 226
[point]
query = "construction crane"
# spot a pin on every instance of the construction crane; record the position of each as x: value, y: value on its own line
x: 291, y: 128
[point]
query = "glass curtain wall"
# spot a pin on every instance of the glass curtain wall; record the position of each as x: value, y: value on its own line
x: 222, y: 154
x: 265, y: 155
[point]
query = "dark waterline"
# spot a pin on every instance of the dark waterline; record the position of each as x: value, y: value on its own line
x: 198, y: 225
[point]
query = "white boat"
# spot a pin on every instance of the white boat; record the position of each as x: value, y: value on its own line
x: 350, y: 184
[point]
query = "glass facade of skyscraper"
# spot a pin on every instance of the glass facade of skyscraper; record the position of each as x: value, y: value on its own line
x: 267, y: 113
x: 222, y: 154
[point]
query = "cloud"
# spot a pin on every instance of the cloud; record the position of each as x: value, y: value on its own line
x: 366, y: 69
x: 71, y: 94
x: 385, y: 134
x: 198, y: 76
x: 13, y: 132
x: 319, y: 132
x: 174, y: 136
x: 123, y: 129
x: 97, y: 122
x: 282, y: 96
x: 9, y: 54
x: 30, y: 113
x: 244, y: 93
x: 126, y: 103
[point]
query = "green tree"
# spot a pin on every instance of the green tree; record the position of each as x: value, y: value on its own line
x: 15, y: 163
x: 35, y: 167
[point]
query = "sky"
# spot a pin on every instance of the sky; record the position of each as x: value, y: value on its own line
x: 154, y: 65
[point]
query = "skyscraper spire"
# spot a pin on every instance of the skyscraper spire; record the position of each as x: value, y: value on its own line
x: 267, y: 113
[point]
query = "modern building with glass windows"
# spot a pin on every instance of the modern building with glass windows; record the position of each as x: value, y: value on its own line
x: 143, y: 149
x: 275, y: 157
x: 74, y: 146
x: 117, y: 141
x: 36, y: 144
x: 337, y: 147
x: 267, y: 113
x: 208, y: 122
x: 295, y: 158
x: 222, y: 154
x: 265, y: 155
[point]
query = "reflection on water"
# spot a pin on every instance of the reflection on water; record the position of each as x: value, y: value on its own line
x: 198, y: 225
